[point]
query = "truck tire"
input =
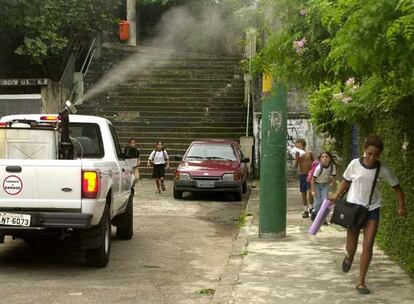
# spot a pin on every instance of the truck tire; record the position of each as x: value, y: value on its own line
x: 99, y: 257
x: 125, y: 227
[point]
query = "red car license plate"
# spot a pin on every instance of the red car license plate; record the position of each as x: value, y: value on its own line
x: 205, y: 184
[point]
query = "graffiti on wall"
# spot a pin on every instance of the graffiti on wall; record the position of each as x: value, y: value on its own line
x: 296, y: 128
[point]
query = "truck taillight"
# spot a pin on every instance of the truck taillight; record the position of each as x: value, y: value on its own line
x: 90, y: 184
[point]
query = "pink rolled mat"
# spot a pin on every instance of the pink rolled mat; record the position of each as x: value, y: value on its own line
x: 321, y: 217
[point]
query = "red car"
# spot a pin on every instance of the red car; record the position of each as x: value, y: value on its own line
x: 212, y: 166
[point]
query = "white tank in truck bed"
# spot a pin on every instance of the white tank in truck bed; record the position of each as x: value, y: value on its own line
x: 25, y: 143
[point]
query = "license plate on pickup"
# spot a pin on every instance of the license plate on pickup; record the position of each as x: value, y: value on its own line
x: 14, y: 219
x: 205, y: 184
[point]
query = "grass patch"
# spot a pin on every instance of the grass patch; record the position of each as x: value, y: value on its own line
x: 241, y: 220
x: 244, y: 253
x: 206, y: 292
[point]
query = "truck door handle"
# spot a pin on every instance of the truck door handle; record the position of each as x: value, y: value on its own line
x: 14, y: 169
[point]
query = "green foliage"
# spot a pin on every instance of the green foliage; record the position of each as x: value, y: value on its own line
x: 396, y: 234
x: 355, y: 60
x: 45, y: 28
x: 320, y: 43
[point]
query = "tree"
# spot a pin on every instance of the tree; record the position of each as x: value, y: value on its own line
x: 324, y: 45
x: 42, y: 30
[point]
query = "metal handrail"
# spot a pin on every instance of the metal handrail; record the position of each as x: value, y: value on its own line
x: 87, y: 62
x: 91, y: 53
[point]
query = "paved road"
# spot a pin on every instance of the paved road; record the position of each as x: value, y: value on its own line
x: 179, y: 248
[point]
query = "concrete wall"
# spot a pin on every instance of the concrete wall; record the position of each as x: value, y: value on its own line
x: 299, y: 126
x: 54, y: 95
x: 23, y: 96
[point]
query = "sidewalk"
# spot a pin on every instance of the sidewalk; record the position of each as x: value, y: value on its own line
x: 302, y: 268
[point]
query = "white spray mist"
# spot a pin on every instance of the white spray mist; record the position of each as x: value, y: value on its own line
x: 180, y: 29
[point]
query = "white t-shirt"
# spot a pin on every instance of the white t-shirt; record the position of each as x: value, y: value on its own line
x: 158, y: 157
x: 362, y: 179
x: 322, y: 174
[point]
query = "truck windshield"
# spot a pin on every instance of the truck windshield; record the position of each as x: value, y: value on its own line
x: 87, y: 140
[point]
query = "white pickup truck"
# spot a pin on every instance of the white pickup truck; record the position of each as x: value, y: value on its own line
x: 45, y: 193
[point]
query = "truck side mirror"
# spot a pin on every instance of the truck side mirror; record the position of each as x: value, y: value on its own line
x: 131, y: 152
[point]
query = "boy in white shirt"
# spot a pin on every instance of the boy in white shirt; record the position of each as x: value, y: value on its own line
x: 160, y: 160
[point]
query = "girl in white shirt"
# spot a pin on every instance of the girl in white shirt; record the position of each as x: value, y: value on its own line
x: 160, y: 160
x: 322, y: 180
x: 358, y: 179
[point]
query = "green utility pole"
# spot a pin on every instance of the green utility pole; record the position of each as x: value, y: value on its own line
x: 273, y: 164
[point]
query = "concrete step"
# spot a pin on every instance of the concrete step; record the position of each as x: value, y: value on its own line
x: 179, y: 99
x: 184, y: 129
x: 169, y: 107
x: 154, y: 79
x: 182, y: 76
x: 177, y: 61
x: 116, y: 116
x: 157, y: 66
x: 155, y: 94
x: 118, y: 97
x: 149, y: 146
x: 191, y: 135
x: 152, y: 138
x: 139, y: 123
x: 137, y: 104
x: 171, y: 85
x: 132, y: 89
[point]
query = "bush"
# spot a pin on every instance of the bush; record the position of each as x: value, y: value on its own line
x: 396, y: 234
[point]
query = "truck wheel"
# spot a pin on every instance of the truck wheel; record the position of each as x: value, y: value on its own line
x: 178, y: 194
x: 125, y: 228
x: 238, y: 196
x: 99, y: 257
x: 31, y: 241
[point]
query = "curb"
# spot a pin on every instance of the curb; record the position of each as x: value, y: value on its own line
x: 230, y: 277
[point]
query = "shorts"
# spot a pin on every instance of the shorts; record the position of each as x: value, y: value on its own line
x: 303, y: 183
x: 374, y: 215
x: 158, y: 171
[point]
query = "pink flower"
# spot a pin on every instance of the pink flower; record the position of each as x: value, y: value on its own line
x: 299, y: 45
x: 342, y: 97
x: 303, y: 12
x: 350, y: 82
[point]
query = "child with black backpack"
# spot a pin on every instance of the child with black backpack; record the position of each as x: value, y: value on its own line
x: 160, y: 161
x: 323, y: 178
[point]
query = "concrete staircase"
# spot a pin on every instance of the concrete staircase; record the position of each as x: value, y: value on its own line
x: 189, y: 97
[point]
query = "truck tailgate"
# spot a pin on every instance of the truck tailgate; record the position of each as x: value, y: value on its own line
x: 40, y: 184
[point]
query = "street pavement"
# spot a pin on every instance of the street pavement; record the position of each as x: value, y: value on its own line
x: 177, y: 255
x: 304, y: 269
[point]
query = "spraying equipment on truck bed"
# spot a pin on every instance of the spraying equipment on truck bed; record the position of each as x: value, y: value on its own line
x: 47, y: 138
